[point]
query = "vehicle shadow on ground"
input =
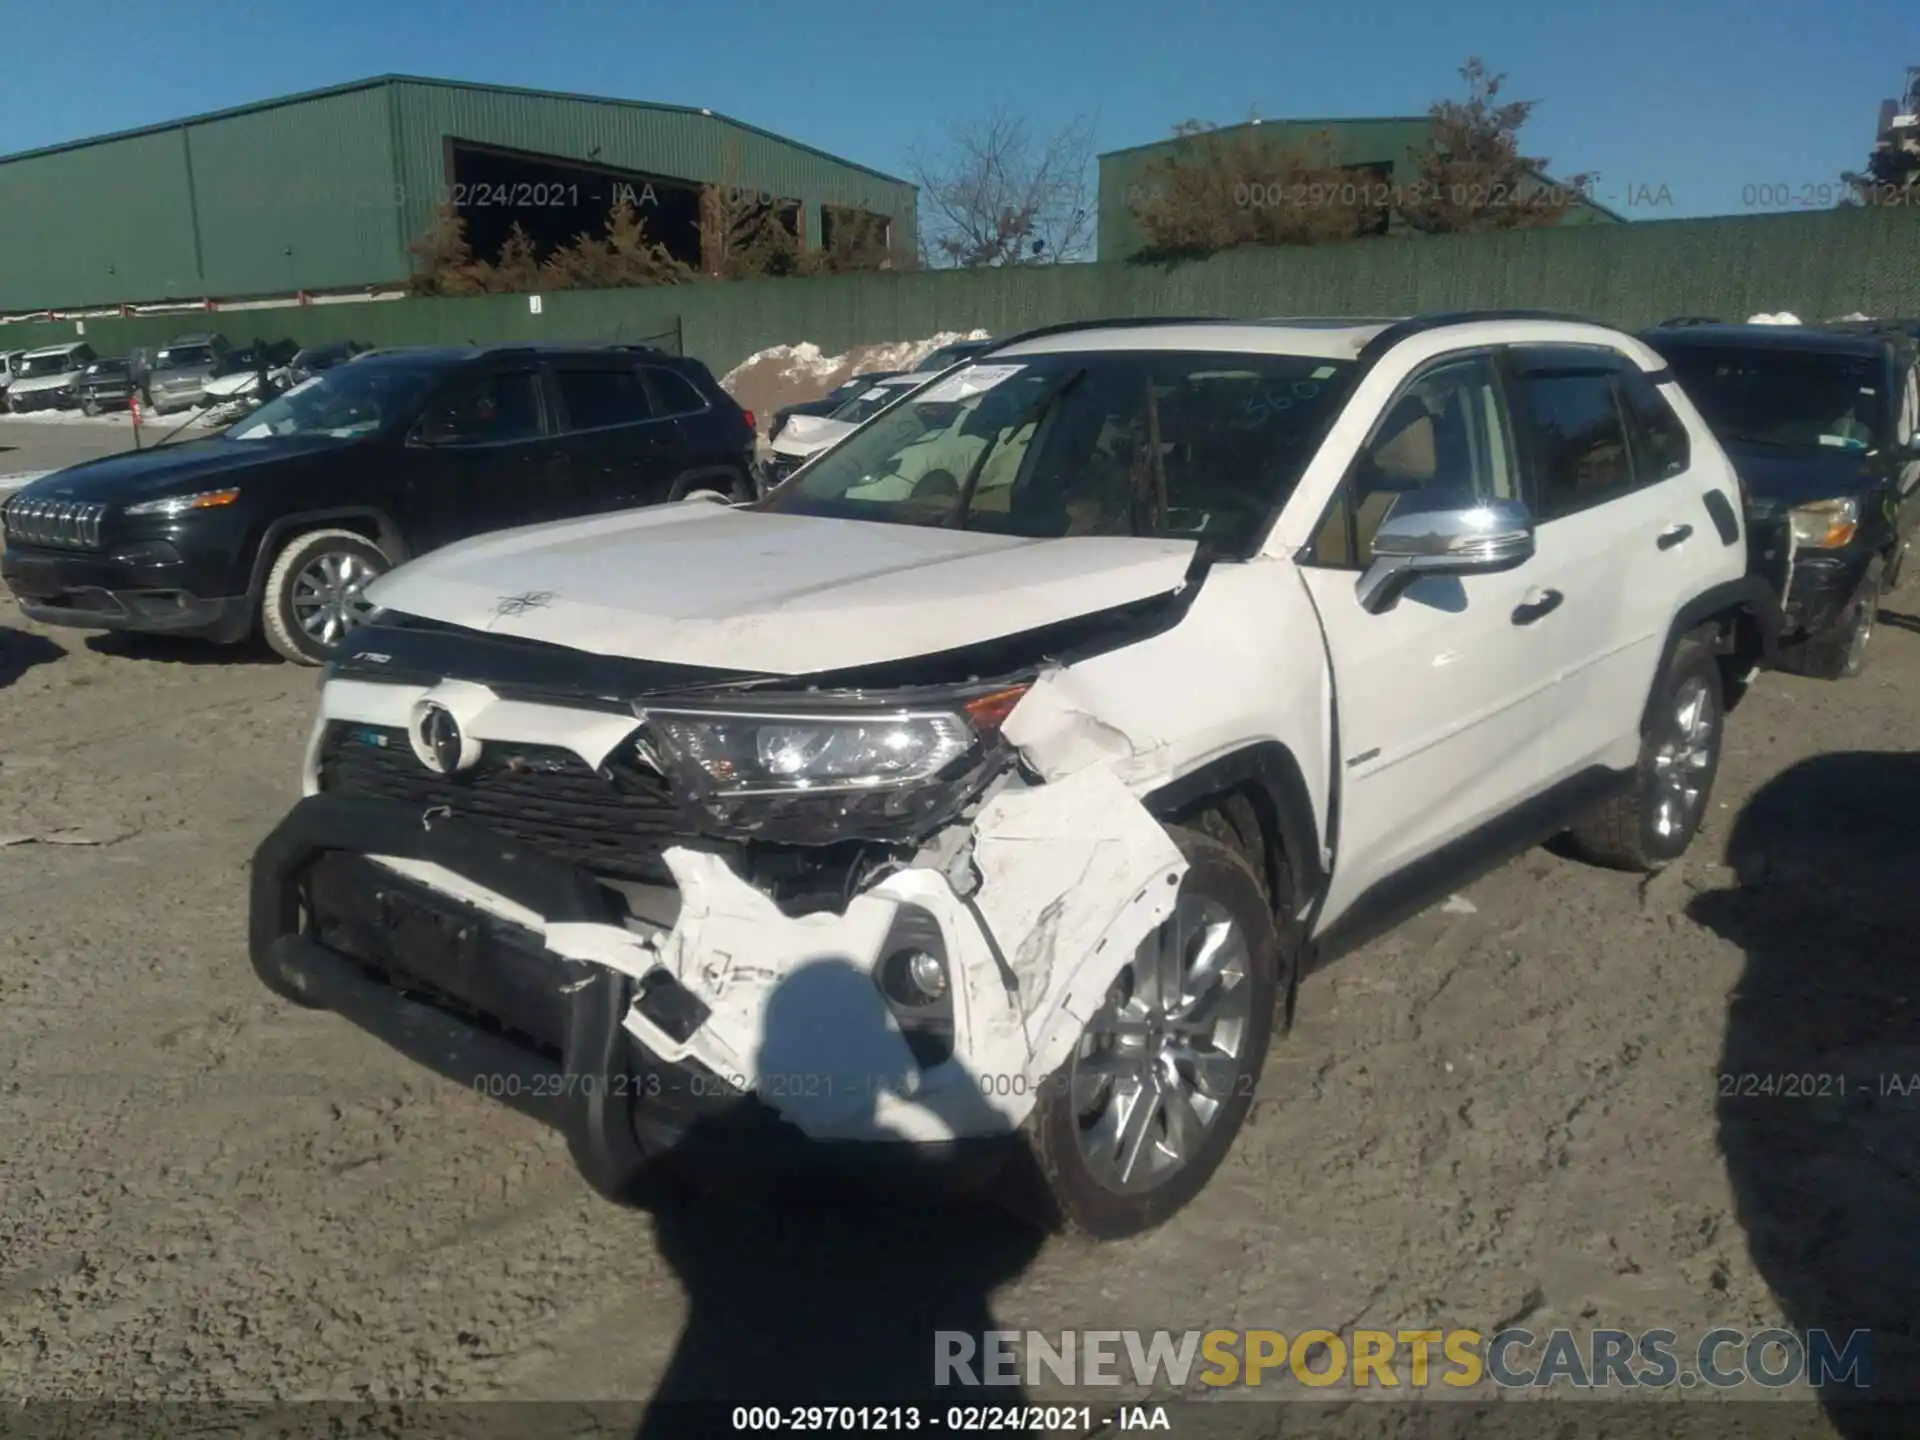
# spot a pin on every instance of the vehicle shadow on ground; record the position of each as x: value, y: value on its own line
x: 173, y: 650
x: 812, y: 1278
x: 1895, y: 620
x: 21, y: 650
x: 1819, y: 1108
x: 821, y: 1278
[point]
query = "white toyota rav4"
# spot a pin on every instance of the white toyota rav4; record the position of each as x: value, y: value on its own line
x: 989, y: 785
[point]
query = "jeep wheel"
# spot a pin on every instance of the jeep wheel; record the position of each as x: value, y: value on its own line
x: 1841, y: 652
x: 314, y: 595
x: 1652, y: 822
x: 1138, y: 1119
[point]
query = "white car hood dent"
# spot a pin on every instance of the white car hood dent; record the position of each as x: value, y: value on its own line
x: 805, y: 436
x: 34, y: 384
x: 704, y: 585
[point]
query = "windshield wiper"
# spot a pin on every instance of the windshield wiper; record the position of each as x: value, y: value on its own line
x: 1033, y: 415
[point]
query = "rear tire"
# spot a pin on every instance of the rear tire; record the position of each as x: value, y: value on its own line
x: 1089, y: 1176
x: 1840, y: 653
x: 312, y: 598
x: 1651, y: 823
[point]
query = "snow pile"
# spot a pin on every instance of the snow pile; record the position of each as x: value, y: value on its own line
x: 1850, y: 319
x: 788, y: 374
x: 1785, y: 317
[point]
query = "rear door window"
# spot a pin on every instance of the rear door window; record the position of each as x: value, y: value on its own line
x: 1661, y: 449
x: 597, y: 399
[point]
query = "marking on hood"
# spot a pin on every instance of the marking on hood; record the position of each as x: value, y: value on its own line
x: 511, y: 605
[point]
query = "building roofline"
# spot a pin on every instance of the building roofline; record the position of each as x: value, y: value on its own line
x: 1277, y: 120
x: 388, y: 81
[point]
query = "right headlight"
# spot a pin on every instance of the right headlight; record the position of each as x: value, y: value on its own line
x: 809, y: 776
x: 1825, y: 524
x: 781, y: 754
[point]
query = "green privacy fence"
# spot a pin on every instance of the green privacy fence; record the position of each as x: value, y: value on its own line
x: 1818, y: 265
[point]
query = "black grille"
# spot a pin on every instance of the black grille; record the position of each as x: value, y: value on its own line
x: 543, y: 797
x: 65, y: 523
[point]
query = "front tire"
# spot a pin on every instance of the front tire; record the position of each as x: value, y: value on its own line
x: 314, y: 595
x: 1133, y: 1126
x: 1652, y: 822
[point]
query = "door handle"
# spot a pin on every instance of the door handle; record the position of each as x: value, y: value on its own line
x: 1673, y: 535
x: 1538, y: 603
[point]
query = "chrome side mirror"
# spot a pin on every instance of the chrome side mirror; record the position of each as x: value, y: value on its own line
x: 1481, y: 539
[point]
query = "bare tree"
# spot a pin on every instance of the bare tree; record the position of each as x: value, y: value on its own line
x: 1000, y: 193
x: 1472, y: 176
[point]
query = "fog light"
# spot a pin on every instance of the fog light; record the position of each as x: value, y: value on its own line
x: 927, y: 974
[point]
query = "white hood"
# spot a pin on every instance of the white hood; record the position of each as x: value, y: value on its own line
x: 238, y: 383
x: 34, y: 384
x: 807, y: 435
x: 703, y: 584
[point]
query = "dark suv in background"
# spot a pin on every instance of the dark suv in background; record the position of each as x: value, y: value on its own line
x: 1823, y: 427
x: 280, y: 522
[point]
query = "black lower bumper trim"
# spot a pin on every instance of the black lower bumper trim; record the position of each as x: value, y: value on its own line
x: 620, y: 1106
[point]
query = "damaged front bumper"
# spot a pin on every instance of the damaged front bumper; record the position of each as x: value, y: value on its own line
x: 736, y: 1029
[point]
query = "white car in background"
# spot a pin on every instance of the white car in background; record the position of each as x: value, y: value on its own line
x: 805, y: 436
x: 49, y: 379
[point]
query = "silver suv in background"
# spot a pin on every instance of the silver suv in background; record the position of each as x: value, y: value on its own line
x: 182, y: 368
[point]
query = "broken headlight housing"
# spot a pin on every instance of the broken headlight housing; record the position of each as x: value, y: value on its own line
x: 818, y: 772
x: 1825, y: 524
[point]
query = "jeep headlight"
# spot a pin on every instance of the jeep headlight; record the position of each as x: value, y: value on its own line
x: 174, y: 505
x: 1825, y: 524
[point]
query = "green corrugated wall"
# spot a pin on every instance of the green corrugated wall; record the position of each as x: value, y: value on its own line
x: 1820, y: 266
x: 324, y: 191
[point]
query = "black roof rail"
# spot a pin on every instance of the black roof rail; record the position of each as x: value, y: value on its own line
x: 1111, y: 322
x: 1420, y: 324
x: 1683, y: 320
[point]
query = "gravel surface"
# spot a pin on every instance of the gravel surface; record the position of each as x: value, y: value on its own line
x: 1508, y: 1111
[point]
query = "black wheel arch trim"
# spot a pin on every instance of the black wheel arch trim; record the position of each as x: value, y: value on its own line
x: 1749, y: 596
x: 1273, y: 770
x: 391, y: 541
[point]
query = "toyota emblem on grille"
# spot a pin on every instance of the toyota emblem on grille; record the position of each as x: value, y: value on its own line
x: 438, y: 740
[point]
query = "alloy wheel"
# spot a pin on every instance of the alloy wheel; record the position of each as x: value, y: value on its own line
x: 1162, y: 1056
x: 1681, y: 761
x: 328, y: 598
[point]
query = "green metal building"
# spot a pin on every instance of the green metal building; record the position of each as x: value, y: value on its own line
x: 323, y: 191
x: 1379, y: 150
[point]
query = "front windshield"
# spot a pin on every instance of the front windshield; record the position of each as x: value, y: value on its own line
x: 58, y: 363
x: 1156, y: 443
x: 343, y: 402
x: 1785, y: 399
x: 175, y: 357
x: 868, y: 403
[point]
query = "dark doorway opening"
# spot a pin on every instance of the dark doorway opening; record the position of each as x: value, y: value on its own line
x: 555, y: 200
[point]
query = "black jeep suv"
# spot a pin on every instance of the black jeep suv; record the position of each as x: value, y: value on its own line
x: 1823, y: 428
x: 281, y: 521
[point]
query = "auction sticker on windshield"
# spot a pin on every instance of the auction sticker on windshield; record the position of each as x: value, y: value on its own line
x: 878, y: 392
x: 974, y: 380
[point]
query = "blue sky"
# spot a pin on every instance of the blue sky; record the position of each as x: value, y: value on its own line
x: 1690, y: 107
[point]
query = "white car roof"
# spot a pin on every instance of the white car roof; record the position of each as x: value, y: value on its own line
x: 1329, y: 339
x: 55, y: 350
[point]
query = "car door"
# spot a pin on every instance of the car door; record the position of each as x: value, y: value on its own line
x: 1439, y: 701
x: 1620, y: 517
x: 482, y: 458
x: 619, y: 453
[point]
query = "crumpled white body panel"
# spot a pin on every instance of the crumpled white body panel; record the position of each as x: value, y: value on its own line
x: 1072, y: 876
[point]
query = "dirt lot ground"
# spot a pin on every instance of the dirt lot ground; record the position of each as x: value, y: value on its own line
x: 1515, y: 1114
